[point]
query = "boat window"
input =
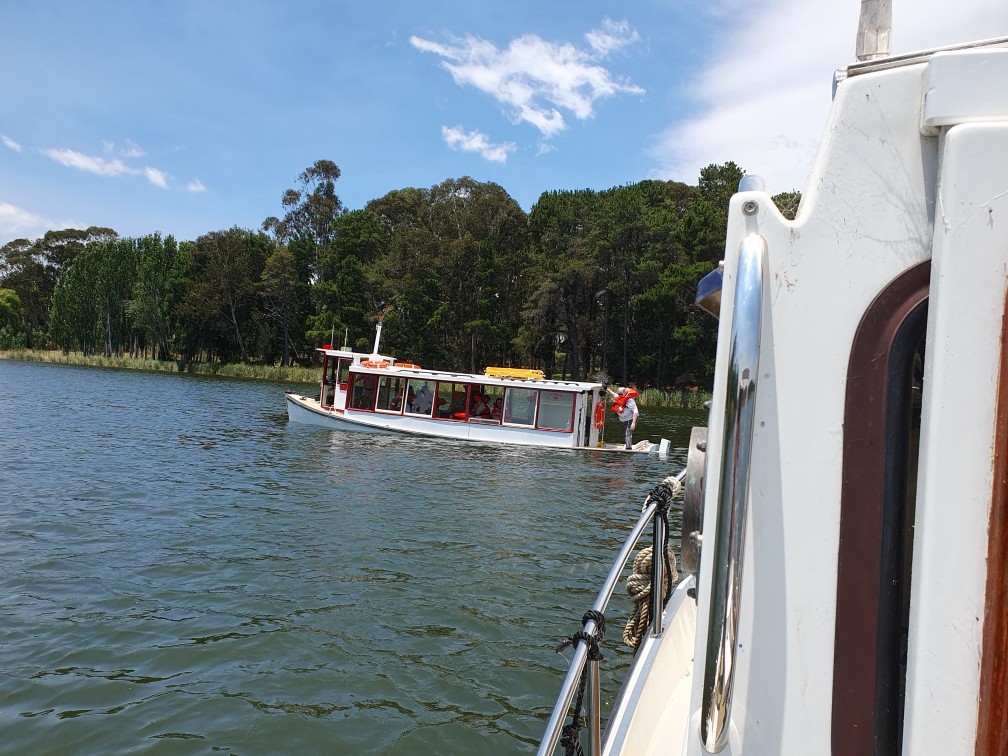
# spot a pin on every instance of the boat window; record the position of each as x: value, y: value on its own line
x: 494, y: 398
x: 556, y: 410
x: 451, y: 400
x: 520, y: 406
x: 420, y: 397
x: 479, y: 405
x: 362, y: 391
x: 343, y: 373
x: 390, y: 393
x: 882, y: 421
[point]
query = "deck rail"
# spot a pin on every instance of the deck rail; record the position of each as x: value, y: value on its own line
x: 581, y: 658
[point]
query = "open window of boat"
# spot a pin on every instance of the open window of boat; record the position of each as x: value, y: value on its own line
x: 335, y: 371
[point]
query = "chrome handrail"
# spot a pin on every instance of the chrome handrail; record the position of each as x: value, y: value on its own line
x: 570, y: 685
x: 729, y: 541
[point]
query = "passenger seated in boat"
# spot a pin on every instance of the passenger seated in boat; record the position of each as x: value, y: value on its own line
x: 396, y: 404
x: 498, y: 408
x: 478, y: 408
x: 423, y: 401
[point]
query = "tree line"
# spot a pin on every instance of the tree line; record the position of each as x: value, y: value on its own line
x: 460, y: 276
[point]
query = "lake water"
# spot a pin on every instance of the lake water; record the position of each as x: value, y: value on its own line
x: 184, y: 571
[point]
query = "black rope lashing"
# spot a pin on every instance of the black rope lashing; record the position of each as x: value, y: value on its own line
x: 570, y: 737
x: 662, y: 495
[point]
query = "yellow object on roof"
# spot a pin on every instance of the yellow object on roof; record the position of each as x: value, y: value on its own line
x: 504, y: 372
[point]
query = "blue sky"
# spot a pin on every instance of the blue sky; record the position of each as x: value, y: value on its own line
x: 189, y: 116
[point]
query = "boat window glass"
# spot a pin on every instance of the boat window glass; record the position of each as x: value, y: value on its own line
x: 451, y: 400
x: 390, y: 393
x: 520, y: 406
x: 362, y: 391
x: 556, y: 410
x: 479, y: 405
x: 343, y: 372
x: 494, y: 398
x: 420, y: 397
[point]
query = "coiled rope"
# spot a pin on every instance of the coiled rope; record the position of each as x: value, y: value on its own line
x: 639, y: 581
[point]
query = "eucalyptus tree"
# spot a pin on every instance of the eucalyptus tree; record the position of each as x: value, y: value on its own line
x: 451, y: 281
x: 218, y: 309
x: 280, y: 291
x: 24, y: 272
x: 312, y: 211
x: 344, y: 297
x: 32, y: 267
x: 566, y: 247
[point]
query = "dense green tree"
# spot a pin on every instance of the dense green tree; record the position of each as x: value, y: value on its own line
x: 218, y: 310
x: 11, y: 334
x: 312, y: 212
x: 160, y: 270
x: 281, y: 292
x: 31, y: 268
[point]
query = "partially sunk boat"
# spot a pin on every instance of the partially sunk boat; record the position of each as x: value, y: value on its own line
x: 375, y: 393
x: 845, y: 534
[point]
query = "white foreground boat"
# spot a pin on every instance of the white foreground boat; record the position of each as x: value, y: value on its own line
x: 845, y: 534
x: 374, y: 393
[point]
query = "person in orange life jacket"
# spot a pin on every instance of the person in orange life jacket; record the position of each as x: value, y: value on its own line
x: 626, y: 409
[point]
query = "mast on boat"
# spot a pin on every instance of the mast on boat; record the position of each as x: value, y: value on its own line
x: 874, y: 30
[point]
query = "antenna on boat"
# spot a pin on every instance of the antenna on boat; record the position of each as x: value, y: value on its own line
x: 346, y: 338
x: 874, y: 30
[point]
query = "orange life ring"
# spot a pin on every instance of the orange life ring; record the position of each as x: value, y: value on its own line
x: 372, y: 364
x: 407, y: 365
x: 600, y: 414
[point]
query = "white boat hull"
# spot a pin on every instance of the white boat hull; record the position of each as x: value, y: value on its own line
x: 303, y: 409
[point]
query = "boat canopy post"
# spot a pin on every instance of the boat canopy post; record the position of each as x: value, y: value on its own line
x: 733, y: 496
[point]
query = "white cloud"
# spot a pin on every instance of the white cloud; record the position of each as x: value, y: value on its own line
x: 474, y: 141
x: 10, y: 143
x: 105, y: 166
x: 16, y: 222
x: 195, y: 186
x: 764, y: 101
x: 613, y: 35
x: 538, y: 81
x: 156, y: 177
x: 130, y: 150
x: 88, y: 163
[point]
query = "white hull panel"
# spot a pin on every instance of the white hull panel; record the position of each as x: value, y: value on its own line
x: 302, y: 409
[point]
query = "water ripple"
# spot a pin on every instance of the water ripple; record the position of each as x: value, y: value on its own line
x: 186, y: 570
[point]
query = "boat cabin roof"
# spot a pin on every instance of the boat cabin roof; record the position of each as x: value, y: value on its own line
x: 480, y: 378
x: 443, y: 375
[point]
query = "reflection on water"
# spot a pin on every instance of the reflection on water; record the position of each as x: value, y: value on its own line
x: 179, y: 565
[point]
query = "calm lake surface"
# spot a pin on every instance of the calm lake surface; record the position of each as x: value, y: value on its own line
x: 184, y: 571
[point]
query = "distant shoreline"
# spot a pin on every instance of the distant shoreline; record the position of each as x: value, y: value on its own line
x: 689, y: 398
x: 223, y: 370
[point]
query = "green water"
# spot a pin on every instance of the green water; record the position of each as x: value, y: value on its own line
x: 183, y: 571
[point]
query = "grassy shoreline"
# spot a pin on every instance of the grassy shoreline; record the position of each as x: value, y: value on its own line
x: 229, y: 370
x: 679, y: 399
